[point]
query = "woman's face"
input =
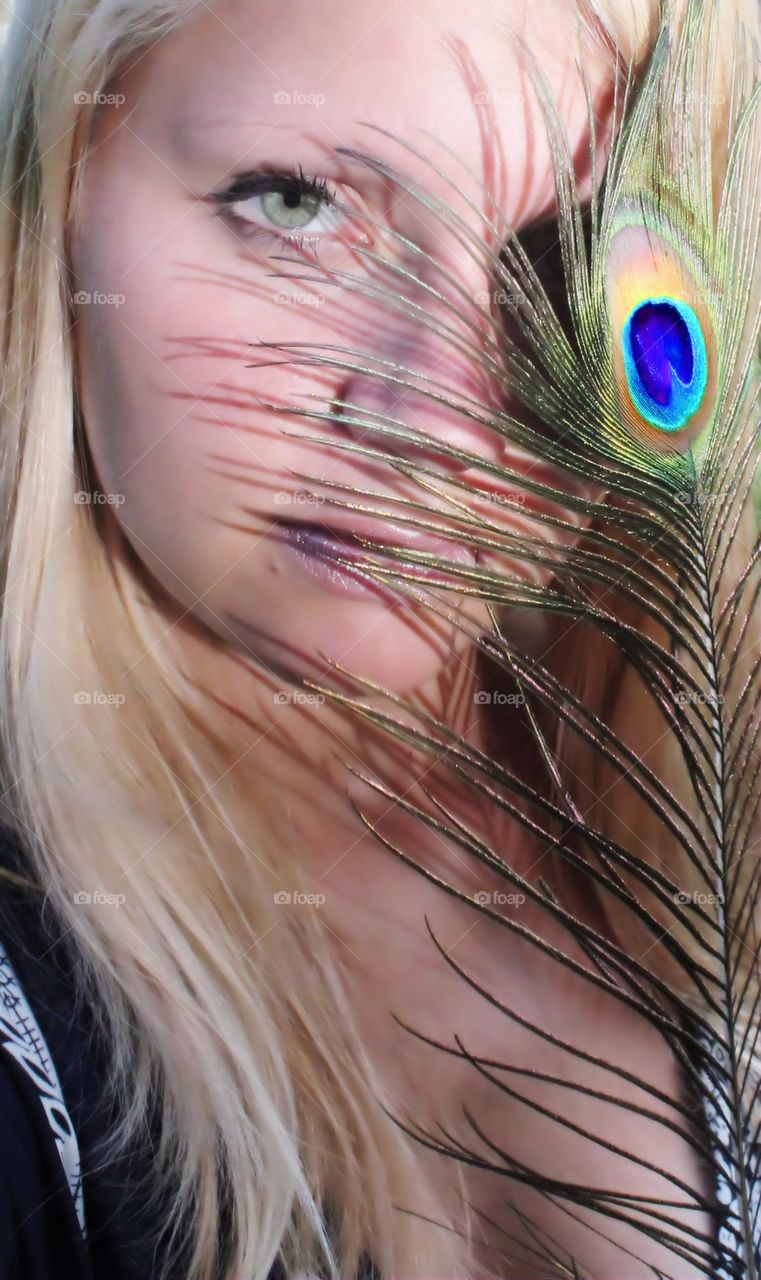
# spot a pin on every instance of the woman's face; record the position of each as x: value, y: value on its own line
x: 180, y: 216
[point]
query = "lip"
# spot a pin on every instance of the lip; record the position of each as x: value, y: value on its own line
x: 321, y: 550
x: 382, y: 530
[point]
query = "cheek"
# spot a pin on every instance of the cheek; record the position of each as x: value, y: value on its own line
x: 171, y: 461
x: 170, y: 408
x: 177, y: 431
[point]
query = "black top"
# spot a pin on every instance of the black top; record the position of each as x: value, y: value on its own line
x: 40, y: 1233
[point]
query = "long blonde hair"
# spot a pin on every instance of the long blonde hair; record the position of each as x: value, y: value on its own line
x: 242, y: 1030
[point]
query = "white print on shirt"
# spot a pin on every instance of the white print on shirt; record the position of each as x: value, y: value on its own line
x: 20, y: 1035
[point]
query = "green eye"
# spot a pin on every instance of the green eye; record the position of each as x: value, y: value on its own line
x: 290, y: 210
x: 283, y: 204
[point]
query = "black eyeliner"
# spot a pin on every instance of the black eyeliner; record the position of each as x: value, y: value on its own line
x: 255, y: 184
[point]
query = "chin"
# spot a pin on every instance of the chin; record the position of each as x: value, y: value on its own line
x: 377, y: 642
x: 388, y: 644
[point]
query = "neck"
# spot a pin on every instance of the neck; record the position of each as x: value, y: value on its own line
x: 377, y: 910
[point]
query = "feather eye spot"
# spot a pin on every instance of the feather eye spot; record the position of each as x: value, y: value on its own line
x: 665, y: 361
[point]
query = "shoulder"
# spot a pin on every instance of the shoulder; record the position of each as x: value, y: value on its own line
x: 39, y: 1233
x: 58, y: 1059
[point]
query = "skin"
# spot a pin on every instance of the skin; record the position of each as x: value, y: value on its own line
x: 170, y: 399
x: 175, y: 423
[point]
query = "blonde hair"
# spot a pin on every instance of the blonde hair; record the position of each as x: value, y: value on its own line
x: 240, y: 1030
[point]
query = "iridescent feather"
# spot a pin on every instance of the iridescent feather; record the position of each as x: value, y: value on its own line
x: 646, y: 390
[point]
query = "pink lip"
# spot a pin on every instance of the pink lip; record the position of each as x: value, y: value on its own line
x: 382, y: 530
x: 326, y: 554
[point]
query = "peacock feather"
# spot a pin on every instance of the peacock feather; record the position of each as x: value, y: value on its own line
x: 633, y: 381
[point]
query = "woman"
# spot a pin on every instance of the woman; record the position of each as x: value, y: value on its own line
x: 236, y: 938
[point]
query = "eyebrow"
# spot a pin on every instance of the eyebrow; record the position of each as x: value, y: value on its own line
x: 198, y: 123
x: 186, y: 130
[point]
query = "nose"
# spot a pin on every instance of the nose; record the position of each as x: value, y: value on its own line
x: 432, y: 373
x: 395, y: 404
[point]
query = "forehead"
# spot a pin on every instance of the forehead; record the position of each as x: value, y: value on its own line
x: 254, y: 62
x: 251, y: 83
x: 332, y: 31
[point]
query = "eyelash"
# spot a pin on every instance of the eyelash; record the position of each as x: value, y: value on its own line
x: 257, y: 184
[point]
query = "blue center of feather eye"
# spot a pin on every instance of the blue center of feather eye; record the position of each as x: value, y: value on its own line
x: 665, y: 361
